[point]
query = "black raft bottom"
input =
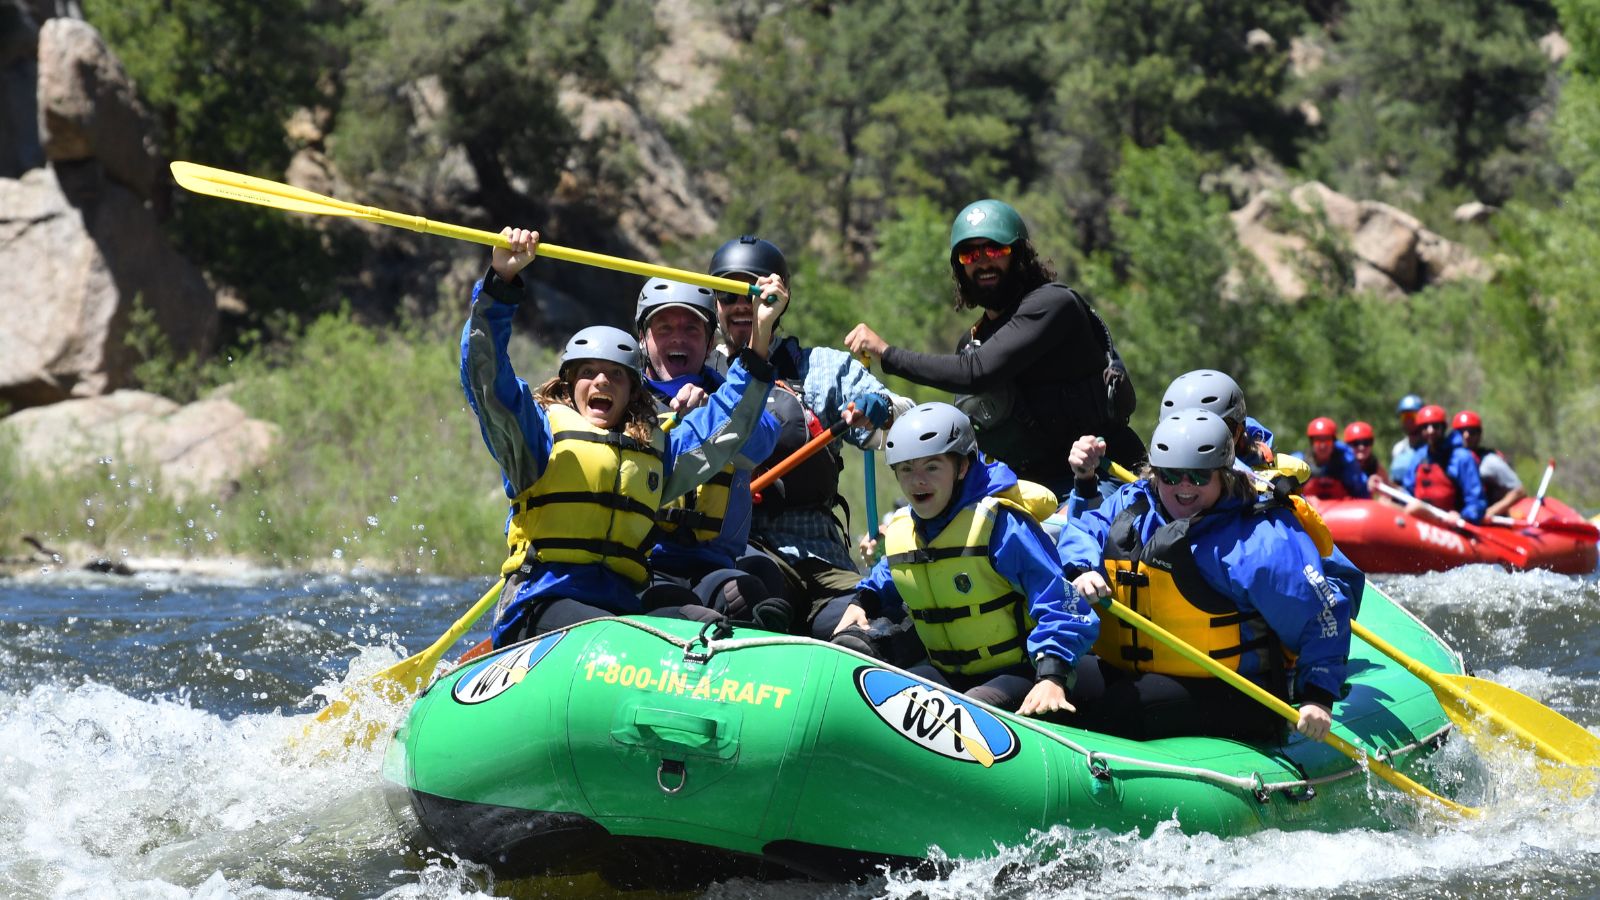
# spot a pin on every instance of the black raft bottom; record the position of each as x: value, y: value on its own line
x: 518, y: 843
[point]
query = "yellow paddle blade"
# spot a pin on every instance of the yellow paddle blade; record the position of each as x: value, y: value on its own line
x: 250, y: 189
x: 1553, y: 736
x: 261, y: 192
x: 1489, y: 711
x: 398, y: 682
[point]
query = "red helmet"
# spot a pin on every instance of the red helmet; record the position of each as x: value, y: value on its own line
x: 1432, y: 414
x: 1357, y: 431
x: 1466, y: 419
x: 1322, y: 427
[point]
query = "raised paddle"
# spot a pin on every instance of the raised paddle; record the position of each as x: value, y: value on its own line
x: 1255, y: 692
x: 408, y: 676
x: 765, y: 479
x: 1544, y: 485
x: 260, y: 191
x: 1470, y: 701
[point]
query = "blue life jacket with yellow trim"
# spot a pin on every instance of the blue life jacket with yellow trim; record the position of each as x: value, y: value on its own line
x: 969, y: 617
x: 1160, y: 580
x: 595, y: 502
x: 697, y: 516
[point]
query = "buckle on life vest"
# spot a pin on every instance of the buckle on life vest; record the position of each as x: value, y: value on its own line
x: 1132, y: 578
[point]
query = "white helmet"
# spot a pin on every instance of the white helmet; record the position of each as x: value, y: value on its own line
x: 1205, y: 389
x: 603, y: 342
x: 1191, y: 439
x: 928, y: 430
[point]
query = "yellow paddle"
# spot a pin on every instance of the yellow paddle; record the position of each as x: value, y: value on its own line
x: 1473, y: 703
x: 1382, y: 770
x: 406, y: 677
x: 260, y: 191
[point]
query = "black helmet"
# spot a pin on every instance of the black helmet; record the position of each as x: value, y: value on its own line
x: 749, y: 255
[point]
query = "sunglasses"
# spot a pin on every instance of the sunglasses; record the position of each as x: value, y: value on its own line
x: 1175, y: 477
x: 990, y: 251
x: 1363, y: 443
x: 727, y: 299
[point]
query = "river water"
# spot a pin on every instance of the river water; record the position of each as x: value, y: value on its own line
x: 151, y: 746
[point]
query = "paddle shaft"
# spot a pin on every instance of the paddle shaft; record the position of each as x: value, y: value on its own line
x: 765, y: 479
x: 1257, y: 693
x: 262, y: 192
x: 1476, y: 534
x: 869, y: 468
x: 1544, y: 485
x: 1562, y: 526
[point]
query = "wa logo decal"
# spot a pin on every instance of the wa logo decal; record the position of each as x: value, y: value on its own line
x: 502, y: 671
x: 936, y: 718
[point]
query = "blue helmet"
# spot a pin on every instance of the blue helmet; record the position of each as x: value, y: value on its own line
x: 1410, y: 403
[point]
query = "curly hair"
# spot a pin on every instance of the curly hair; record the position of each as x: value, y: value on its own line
x: 640, y: 420
x: 1028, y: 271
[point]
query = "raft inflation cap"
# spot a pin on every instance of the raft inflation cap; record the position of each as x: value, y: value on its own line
x: 928, y: 430
x: 1191, y: 439
x: 1206, y: 389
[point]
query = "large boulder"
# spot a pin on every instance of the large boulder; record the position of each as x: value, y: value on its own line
x: 1393, y: 253
x: 74, y: 259
x: 89, y: 107
x: 203, y: 448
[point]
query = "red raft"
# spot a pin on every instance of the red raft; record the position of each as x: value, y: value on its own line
x: 1381, y: 537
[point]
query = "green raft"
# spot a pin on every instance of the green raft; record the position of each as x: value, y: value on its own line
x: 634, y: 748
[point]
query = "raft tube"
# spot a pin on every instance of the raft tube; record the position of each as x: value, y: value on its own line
x: 636, y: 748
x: 1383, y: 538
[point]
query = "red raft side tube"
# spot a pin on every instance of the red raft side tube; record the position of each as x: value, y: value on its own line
x: 1382, y: 538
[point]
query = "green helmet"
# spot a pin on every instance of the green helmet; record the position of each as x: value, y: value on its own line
x: 989, y: 219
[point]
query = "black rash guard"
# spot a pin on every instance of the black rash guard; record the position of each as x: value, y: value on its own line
x: 1049, y: 350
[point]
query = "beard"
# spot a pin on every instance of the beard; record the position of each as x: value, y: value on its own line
x: 1002, y: 295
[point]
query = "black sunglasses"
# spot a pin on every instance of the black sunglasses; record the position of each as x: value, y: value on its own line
x: 1174, y: 477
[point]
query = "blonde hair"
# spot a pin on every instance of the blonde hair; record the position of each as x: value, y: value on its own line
x: 639, y: 422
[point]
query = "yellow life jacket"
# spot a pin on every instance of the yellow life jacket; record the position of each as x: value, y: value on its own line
x: 1274, y: 464
x: 1038, y: 501
x: 1160, y: 580
x: 701, y: 510
x: 594, y: 503
x: 969, y: 617
x: 1304, y: 512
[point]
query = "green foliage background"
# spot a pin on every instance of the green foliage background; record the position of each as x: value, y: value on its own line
x: 850, y: 133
